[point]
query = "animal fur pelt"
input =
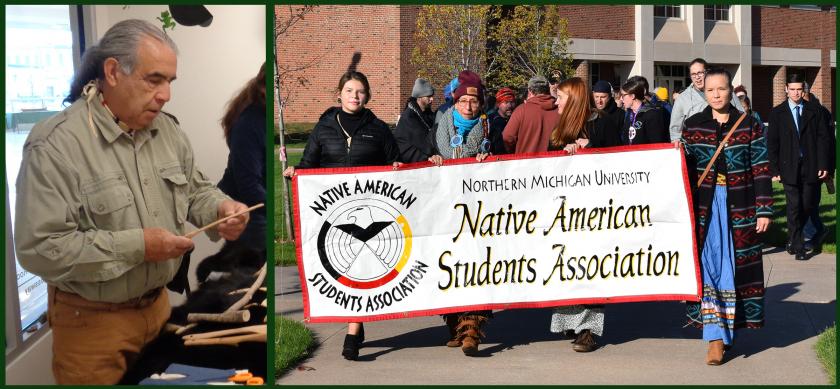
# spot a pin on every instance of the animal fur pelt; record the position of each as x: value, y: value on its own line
x: 233, y: 268
x: 238, y: 266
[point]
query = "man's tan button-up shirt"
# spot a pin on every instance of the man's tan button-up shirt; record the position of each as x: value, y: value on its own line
x: 84, y: 195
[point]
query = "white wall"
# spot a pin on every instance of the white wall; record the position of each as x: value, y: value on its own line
x: 213, y: 63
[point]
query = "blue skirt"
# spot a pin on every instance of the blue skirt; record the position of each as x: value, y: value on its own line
x: 718, y: 264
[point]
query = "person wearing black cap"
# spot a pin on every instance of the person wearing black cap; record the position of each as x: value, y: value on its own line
x: 413, y: 133
x: 614, y: 118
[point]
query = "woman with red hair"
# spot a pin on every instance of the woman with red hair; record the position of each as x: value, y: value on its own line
x: 581, y: 125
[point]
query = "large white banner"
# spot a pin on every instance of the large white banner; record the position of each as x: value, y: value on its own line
x: 603, y: 226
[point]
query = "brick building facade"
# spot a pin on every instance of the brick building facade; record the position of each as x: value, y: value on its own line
x: 375, y: 40
x: 772, y: 27
x: 760, y: 45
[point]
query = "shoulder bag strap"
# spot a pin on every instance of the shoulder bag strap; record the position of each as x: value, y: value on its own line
x: 720, y: 147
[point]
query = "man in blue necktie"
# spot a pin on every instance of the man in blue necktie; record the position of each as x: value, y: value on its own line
x: 798, y: 144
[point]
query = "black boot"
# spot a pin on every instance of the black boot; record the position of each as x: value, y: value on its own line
x: 360, y: 337
x: 351, y: 347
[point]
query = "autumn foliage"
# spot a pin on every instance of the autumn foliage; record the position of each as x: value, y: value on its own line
x: 506, y: 45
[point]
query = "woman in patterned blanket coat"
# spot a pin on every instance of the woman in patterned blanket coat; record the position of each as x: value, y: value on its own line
x: 732, y: 206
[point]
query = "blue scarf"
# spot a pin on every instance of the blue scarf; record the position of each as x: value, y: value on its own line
x: 463, y: 125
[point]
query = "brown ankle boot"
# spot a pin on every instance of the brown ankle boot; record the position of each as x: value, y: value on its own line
x: 584, y: 342
x: 715, y: 355
x: 469, y: 333
x: 452, y: 323
x: 469, y: 344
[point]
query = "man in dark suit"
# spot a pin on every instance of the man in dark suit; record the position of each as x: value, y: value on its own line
x: 815, y: 231
x: 798, y: 145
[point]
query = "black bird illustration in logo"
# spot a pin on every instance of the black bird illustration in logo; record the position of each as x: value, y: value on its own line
x: 364, y: 229
x: 360, y: 233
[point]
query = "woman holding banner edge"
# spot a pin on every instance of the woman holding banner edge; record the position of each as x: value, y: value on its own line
x: 463, y: 131
x: 733, y: 204
x: 346, y: 136
x: 581, y: 125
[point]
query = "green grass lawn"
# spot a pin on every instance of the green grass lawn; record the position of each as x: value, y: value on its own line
x: 776, y: 235
x: 293, y: 343
x: 826, y: 348
x: 296, y: 133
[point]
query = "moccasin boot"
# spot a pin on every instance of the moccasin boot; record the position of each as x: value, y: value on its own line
x: 715, y: 355
x: 452, y: 324
x: 469, y: 333
x: 469, y: 343
x: 585, y: 342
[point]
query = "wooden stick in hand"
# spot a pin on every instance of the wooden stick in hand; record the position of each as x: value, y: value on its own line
x: 222, y: 220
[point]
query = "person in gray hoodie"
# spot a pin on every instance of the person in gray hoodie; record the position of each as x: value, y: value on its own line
x: 692, y: 100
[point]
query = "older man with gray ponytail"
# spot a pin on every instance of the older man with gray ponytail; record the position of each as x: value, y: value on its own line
x: 105, y: 190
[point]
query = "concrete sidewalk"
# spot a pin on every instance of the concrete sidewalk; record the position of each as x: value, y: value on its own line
x: 643, y: 343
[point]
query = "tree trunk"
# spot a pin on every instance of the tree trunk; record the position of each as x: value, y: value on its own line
x: 286, y: 203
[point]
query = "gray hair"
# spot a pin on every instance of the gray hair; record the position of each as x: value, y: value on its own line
x: 120, y: 42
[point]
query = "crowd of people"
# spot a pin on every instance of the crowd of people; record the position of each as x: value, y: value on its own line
x: 732, y: 157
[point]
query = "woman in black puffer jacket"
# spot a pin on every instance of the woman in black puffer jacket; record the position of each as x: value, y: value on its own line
x: 350, y: 135
x: 347, y: 136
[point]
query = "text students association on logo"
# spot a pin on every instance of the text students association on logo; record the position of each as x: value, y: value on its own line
x: 365, y: 243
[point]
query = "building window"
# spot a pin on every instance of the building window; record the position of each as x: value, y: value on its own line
x: 36, y: 85
x: 717, y: 13
x: 594, y: 72
x: 673, y: 77
x: 667, y: 11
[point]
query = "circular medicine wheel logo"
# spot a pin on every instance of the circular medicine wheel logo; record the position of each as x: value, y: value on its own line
x: 364, y: 243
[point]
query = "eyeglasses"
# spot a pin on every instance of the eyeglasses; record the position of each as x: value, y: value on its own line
x: 698, y: 74
x: 622, y: 94
x: 473, y: 103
